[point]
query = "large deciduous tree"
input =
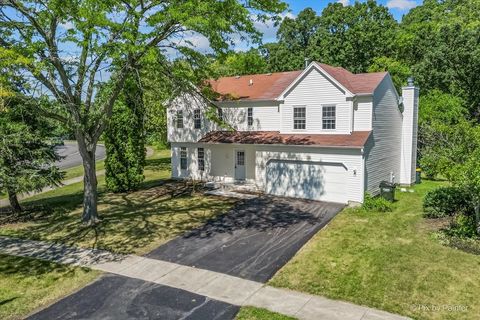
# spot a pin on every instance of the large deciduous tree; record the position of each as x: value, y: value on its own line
x: 72, y: 47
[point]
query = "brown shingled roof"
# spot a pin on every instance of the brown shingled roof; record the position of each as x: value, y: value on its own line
x: 266, y: 86
x: 270, y: 85
x: 355, y: 140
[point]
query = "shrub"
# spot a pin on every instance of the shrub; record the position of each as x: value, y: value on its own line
x: 377, y: 204
x: 447, y: 201
x: 463, y: 226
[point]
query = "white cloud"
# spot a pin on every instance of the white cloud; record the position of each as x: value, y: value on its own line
x: 402, y: 4
x: 66, y: 26
x: 344, y: 2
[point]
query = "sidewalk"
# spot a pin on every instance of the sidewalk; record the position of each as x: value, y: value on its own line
x: 207, y: 283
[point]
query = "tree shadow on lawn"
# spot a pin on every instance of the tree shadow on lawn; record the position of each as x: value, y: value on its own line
x: 131, y: 222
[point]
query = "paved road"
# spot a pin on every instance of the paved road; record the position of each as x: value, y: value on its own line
x: 72, y: 157
x: 251, y: 241
x: 117, y: 297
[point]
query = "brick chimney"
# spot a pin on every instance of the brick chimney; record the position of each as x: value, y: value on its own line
x: 408, y: 159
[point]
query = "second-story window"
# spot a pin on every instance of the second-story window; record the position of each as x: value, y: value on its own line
x: 328, y: 117
x: 299, y: 118
x: 201, y: 159
x: 250, y: 116
x: 183, y: 158
x: 179, y: 119
x: 220, y: 114
x: 197, y: 120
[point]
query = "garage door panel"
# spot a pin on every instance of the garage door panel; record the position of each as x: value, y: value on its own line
x: 309, y: 180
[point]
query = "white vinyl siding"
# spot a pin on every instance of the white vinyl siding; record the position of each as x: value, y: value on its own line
x: 315, y: 91
x: 264, y: 118
x: 382, y: 152
x: 362, y: 115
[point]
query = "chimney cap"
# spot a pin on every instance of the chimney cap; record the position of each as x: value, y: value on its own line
x: 411, y: 81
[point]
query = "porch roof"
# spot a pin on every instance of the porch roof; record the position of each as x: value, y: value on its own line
x: 356, y: 139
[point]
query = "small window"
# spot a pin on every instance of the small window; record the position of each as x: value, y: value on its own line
x: 220, y: 114
x: 250, y: 116
x: 299, y: 118
x: 179, y: 119
x: 183, y: 158
x: 201, y: 159
x: 197, y: 120
x: 328, y: 117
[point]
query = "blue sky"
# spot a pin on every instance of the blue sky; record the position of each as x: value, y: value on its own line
x: 397, y: 7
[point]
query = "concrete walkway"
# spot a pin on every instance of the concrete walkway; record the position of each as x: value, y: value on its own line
x: 218, y: 286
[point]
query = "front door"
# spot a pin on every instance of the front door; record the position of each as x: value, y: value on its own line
x: 239, y: 165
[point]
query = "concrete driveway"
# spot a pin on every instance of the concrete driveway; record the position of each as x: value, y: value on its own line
x: 252, y: 241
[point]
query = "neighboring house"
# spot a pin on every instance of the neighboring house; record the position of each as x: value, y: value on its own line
x: 320, y: 133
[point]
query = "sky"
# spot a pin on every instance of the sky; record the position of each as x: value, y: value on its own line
x: 397, y: 7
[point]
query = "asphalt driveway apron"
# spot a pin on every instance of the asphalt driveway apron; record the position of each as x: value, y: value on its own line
x: 252, y: 241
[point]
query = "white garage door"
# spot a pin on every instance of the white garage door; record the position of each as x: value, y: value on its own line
x: 307, y: 180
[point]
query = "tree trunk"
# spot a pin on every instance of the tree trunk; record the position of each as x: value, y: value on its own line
x: 13, y: 199
x: 477, y: 214
x: 90, y: 195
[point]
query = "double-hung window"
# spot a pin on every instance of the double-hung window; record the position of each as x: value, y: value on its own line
x: 179, y: 119
x: 201, y: 159
x: 197, y: 119
x: 183, y: 158
x: 328, y: 117
x: 299, y: 118
x: 220, y: 114
x: 250, y: 116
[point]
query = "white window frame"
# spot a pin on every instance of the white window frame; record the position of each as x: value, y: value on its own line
x: 201, y: 159
x: 197, y: 119
x: 304, y: 118
x: 183, y: 157
x: 179, y: 119
x: 250, y: 116
x: 329, y: 118
x: 220, y: 114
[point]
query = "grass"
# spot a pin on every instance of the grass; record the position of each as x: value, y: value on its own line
x: 27, y: 284
x: 252, y: 313
x: 388, y: 261
x: 135, y: 222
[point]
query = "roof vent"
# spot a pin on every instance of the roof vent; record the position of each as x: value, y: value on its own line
x: 237, y: 77
x: 269, y: 74
x: 250, y: 83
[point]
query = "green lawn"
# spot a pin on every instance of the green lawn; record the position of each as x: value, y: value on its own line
x: 27, y: 284
x: 135, y: 222
x: 252, y: 313
x: 388, y: 261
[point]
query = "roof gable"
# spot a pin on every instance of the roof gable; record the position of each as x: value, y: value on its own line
x: 271, y: 86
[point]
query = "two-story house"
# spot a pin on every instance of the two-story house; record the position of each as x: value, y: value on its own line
x: 320, y: 133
